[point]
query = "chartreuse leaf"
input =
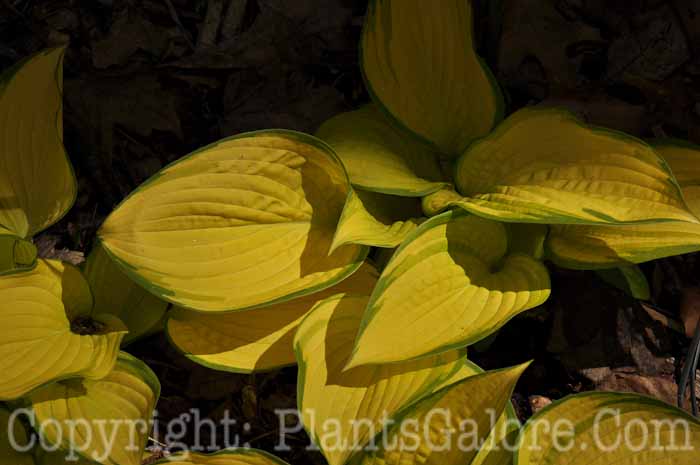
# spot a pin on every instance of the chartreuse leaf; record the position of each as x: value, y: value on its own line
x: 240, y: 456
x: 608, y: 428
x: 380, y: 157
x: 16, y: 254
x: 454, y: 276
x: 254, y: 340
x: 115, y: 293
x: 629, y: 279
x: 13, y: 440
x: 59, y: 457
x: 44, y: 313
x: 105, y: 420
x: 450, y: 426
x: 376, y: 219
x: 440, y: 89
x: 437, y: 202
x: 244, y: 222
x: 595, y: 247
x: 682, y: 157
x: 546, y: 166
x: 527, y: 238
x: 37, y: 185
x: 343, y: 409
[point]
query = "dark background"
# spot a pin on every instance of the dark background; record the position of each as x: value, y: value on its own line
x: 148, y: 81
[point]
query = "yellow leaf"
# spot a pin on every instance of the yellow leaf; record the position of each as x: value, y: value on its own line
x: 419, y: 63
x: 343, y: 409
x: 253, y: 340
x: 682, y: 157
x: 59, y: 457
x: 41, y: 311
x: 13, y: 435
x: 437, y: 202
x: 546, y: 166
x: 451, y: 426
x: 376, y: 219
x: 225, y: 457
x: 105, y: 420
x: 608, y: 428
x: 16, y: 254
x: 450, y: 284
x: 245, y: 222
x: 379, y: 157
x: 527, y: 238
x: 117, y: 294
x: 37, y: 185
x: 596, y: 247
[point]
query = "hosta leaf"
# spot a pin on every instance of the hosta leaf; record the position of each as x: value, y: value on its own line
x: 13, y: 434
x: 440, y: 89
x: 225, y: 457
x: 499, y: 447
x: 37, y: 185
x: 629, y: 279
x: 452, y: 275
x: 110, y: 417
x: 546, y: 166
x: 380, y: 158
x: 376, y: 219
x: 16, y: 254
x: 437, y: 202
x: 60, y: 457
x: 244, y: 222
x: 41, y: 311
x: 330, y: 397
x: 469, y: 408
x: 254, y: 340
x: 527, y: 238
x: 594, y: 247
x: 682, y: 157
x: 609, y: 429
x: 115, y: 293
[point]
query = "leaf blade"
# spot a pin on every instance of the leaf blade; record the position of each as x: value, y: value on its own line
x: 479, y: 401
x: 253, y: 340
x: 546, y: 166
x: 376, y: 220
x: 245, y: 222
x: 37, y: 343
x: 323, y: 343
x: 117, y: 294
x: 462, y: 103
x: 587, y: 411
x: 34, y: 158
x: 125, y: 398
x: 380, y: 158
x: 442, y: 277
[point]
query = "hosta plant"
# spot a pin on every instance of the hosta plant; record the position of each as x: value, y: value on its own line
x: 259, y: 242
x: 62, y: 326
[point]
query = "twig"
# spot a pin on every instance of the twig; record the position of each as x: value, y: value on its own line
x: 688, y: 374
